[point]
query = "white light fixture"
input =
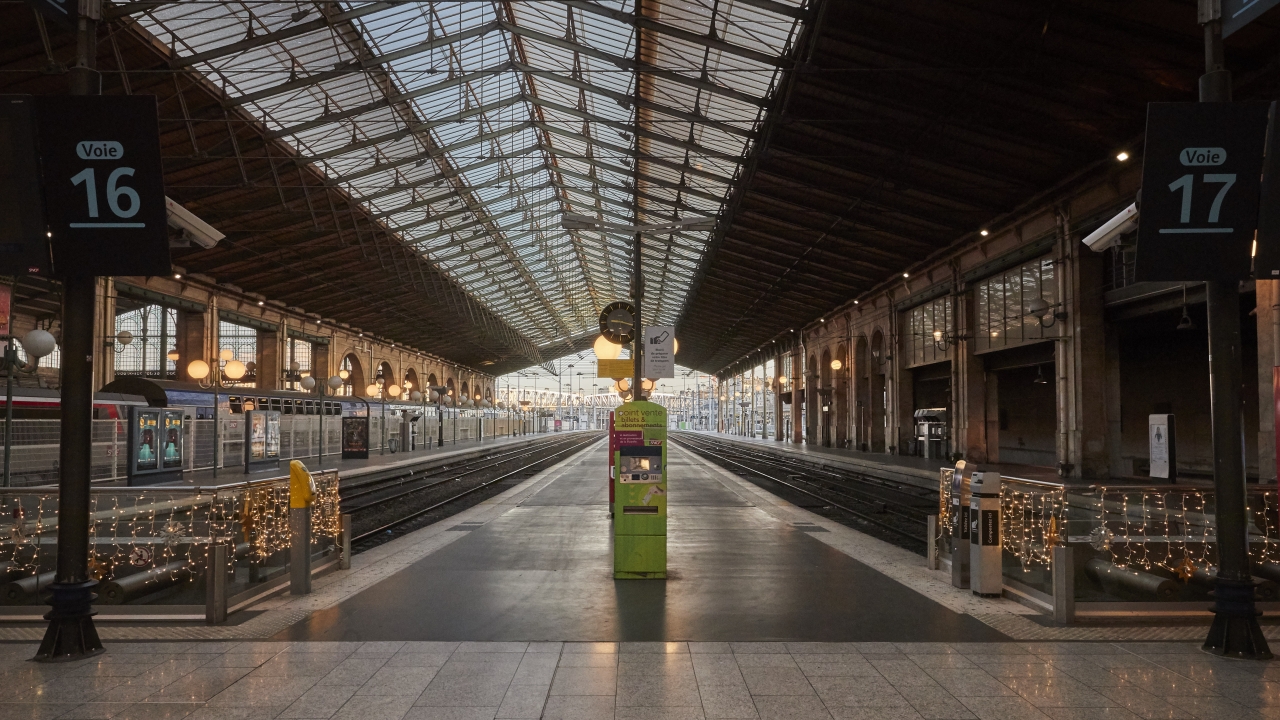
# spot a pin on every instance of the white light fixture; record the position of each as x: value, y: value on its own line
x: 983, y: 233
x: 1122, y: 156
x: 344, y: 374
x: 172, y: 355
x: 235, y: 369
x: 38, y: 343
x: 227, y: 354
x: 606, y: 350
x: 308, y: 383
x: 198, y: 369
x: 836, y: 364
x: 335, y: 381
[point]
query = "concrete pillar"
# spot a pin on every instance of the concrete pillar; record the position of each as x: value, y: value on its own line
x: 1081, y: 362
x: 1115, y: 440
x: 1268, y: 318
x: 991, y: 402
x: 778, y: 388
x: 269, y: 360
x: 191, y: 340
x: 321, y: 367
x: 794, y: 381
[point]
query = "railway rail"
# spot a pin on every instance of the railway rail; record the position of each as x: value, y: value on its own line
x: 892, y: 511
x: 396, y: 503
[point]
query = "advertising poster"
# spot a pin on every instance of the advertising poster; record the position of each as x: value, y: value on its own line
x: 171, y: 447
x: 257, y: 434
x: 355, y: 438
x: 146, y: 452
x: 273, y: 435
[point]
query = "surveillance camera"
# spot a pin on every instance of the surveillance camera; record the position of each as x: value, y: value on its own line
x: 1109, y: 234
x: 193, y: 229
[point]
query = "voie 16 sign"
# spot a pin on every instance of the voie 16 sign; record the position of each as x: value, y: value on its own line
x: 103, y: 185
x: 1200, y: 183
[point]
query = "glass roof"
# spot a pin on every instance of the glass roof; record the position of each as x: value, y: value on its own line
x: 470, y: 128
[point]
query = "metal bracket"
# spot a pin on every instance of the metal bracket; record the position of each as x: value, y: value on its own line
x: 1208, y: 11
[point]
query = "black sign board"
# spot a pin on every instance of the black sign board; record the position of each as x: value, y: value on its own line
x: 103, y: 184
x: 990, y: 533
x: 1200, y: 182
x: 24, y: 244
x: 355, y: 438
x: 1238, y: 13
x: 155, y: 445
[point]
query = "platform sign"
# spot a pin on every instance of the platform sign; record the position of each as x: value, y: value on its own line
x: 1163, y: 453
x: 659, y: 352
x: 24, y: 242
x: 1238, y: 13
x: 103, y: 184
x: 1200, y: 184
x: 640, y: 490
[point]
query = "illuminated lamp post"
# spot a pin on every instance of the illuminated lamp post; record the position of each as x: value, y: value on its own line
x: 202, y: 372
x: 36, y: 344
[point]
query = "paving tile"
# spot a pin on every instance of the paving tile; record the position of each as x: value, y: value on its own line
x: 322, y: 647
x: 1088, y: 673
x: 1142, y: 703
x: 536, y: 669
x: 876, y: 713
x: 133, y: 690
x: 926, y: 648
x: 746, y: 660
x: 658, y: 713
x: 588, y: 660
x: 585, y: 681
x: 969, y: 683
x: 545, y: 647
x: 238, y: 659
x: 1057, y: 692
x: 657, y: 691
x: 877, y: 648
x: 198, y: 686
x: 1250, y: 694
x: 590, y: 647
x: 655, y: 663
x: 717, y: 669
x: 263, y: 691
x: 34, y: 711
x: 94, y: 711
x: 729, y: 701
x: 1160, y: 681
x: 652, y: 647
x: 523, y: 701
x: 463, y: 690
x: 158, y: 711
x: 577, y: 707
x: 1071, y: 648
x: 321, y: 701
x: 791, y: 707
x: 428, y: 646
x: 400, y: 681
x: 1092, y: 713
x: 951, y: 709
x: 1210, y: 708
x: 385, y: 648
x: 151, y: 648
x: 710, y: 647
x: 939, y: 660
x: 451, y: 713
x: 417, y: 659
x: 758, y: 647
x: 71, y: 689
x: 375, y: 707
x: 1002, y: 708
x: 978, y: 648
x: 258, y: 712
x: 776, y: 681
x: 111, y: 669
x: 355, y: 670
x: 300, y: 665
x: 493, y: 647
x: 210, y: 647
x: 858, y: 692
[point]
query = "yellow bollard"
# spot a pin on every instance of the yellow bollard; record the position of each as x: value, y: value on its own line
x: 302, y: 490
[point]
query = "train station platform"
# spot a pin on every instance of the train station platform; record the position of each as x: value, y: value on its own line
x: 903, y: 468
x: 377, y: 463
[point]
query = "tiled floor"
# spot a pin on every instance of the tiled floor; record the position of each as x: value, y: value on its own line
x: 642, y: 681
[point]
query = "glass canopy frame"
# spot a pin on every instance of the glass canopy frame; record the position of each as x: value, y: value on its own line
x: 470, y: 127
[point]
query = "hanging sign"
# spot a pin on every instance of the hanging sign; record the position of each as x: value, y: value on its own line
x: 103, y: 184
x: 24, y: 240
x: 1238, y: 13
x: 659, y: 352
x: 1200, y: 183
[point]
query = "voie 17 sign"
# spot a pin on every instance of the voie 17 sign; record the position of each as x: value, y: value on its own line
x: 103, y: 185
x: 1200, y: 183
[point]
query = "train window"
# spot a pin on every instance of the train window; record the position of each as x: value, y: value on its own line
x: 236, y: 406
x: 275, y: 404
x: 204, y: 413
x: 286, y: 408
x: 311, y: 406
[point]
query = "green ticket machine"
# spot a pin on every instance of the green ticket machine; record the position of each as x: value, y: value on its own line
x: 640, y: 491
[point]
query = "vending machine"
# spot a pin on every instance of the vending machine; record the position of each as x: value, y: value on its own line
x: 639, y: 444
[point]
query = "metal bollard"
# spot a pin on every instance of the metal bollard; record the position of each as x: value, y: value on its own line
x: 986, y: 575
x: 344, y: 539
x: 1064, y: 585
x: 931, y: 549
x: 299, y: 551
x: 215, y: 579
x: 960, y: 509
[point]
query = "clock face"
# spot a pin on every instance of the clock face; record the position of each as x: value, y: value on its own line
x: 618, y: 322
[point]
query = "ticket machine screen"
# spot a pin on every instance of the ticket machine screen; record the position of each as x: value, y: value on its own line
x: 641, y: 464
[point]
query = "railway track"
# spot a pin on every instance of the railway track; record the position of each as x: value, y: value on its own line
x: 891, y: 511
x: 395, y: 506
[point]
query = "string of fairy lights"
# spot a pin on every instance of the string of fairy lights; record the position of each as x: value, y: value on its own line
x: 1143, y: 528
x: 164, y: 531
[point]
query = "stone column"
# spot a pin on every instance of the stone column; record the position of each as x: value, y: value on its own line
x: 794, y: 383
x: 1268, y: 318
x: 104, y: 358
x: 1081, y: 361
x: 191, y: 340
x: 269, y: 361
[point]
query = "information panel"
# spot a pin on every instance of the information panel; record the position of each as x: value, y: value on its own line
x: 155, y: 445
x: 103, y: 184
x: 355, y: 438
x: 262, y: 439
